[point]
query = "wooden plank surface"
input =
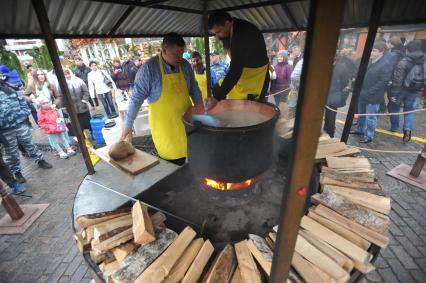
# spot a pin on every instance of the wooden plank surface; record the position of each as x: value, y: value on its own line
x: 134, y: 164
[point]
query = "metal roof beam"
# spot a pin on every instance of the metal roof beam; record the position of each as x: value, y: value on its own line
x: 290, y: 15
x: 155, y: 4
x: 121, y: 20
x: 255, y: 5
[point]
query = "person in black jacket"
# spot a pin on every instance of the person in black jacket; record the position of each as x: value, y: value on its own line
x: 248, y: 75
x: 394, y: 54
x: 401, y: 93
x: 372, y: 92
x: 343, y: 73
x: 81, y: 71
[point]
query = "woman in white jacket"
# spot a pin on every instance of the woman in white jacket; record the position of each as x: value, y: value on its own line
x: 100, y: 85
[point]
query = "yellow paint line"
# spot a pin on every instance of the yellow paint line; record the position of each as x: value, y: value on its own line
x: 423, y: 140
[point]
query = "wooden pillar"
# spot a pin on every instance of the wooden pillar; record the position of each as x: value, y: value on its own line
x: 372, y: 30
x: 324, y: 22
x: 207, y: 47
x: 43, y: 20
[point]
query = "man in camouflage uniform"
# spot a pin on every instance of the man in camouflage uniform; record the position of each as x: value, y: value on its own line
x: 14, y: 112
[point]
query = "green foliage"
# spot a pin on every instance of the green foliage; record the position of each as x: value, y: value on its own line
x: 41, y: 57
x: 199, y: 45
x: 11, y: 60
x: 217, y: 44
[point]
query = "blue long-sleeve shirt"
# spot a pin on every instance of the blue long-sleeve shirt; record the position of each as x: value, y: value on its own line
x: 148, y: 85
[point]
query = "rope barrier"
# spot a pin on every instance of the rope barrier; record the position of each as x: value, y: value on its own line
x: 278, y: 92
x: 385, y: 151
x: 378, y: 114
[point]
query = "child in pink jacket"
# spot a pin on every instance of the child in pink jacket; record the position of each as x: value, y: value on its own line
x: 54, y: 126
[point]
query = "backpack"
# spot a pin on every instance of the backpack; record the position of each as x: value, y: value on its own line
x: 416, y: 77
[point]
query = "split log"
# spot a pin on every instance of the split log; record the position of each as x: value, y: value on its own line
x: 348, y: 178
x: 270, y: 243
x: 110, y: 268
x: 321, y: 260
x: 111, y: 227
x: 223, y: 267
x: 273, y: 236
x: 162, y: 266
x: 246, y: 264
x: 143, y: 231
x: 348, y: 163
x: 236, y: 278
x: 98, y: 257
x: 374, y: 202
x: 88, y: 233
x: 261, y: 252
x: 350, y: 151
x: 348, y: 183
x: 95, y: 218
x: 325, y: 150
x: 345, y: 262
x: 82, y: 244
x: 113, y: 242
x: 342, y: 231
x: 178, y: 271
x: 200, y: 261
x: 307, y: 270
x: 355, y: 212
x: 368, y: 234
x: 135, y: 263
x: 340, y: 243
x: 275, y: 228
x: 367, y: 174
x: 122, y: 251
x: 364, y: 267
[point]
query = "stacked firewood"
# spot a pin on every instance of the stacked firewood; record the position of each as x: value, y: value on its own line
x: 347, y: 216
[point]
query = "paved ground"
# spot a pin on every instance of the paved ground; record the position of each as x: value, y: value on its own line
x: 47, y: 252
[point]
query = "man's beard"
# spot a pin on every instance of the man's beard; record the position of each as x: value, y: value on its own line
x: 226, y: 41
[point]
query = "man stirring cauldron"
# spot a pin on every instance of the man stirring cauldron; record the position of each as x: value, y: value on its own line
x: 248, y: 76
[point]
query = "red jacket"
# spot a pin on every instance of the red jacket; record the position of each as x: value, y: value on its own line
x: 47, y: 120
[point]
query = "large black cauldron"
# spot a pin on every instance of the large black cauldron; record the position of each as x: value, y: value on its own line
x: 231, y: 154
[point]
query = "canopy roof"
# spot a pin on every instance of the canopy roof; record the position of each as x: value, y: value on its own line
x: 150, y: 18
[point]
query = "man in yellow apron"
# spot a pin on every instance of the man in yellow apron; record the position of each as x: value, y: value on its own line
x: 200, y: 73
x: 169, y: 84
x: 248, y: 76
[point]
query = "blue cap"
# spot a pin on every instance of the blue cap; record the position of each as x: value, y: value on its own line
x: 186, y: 55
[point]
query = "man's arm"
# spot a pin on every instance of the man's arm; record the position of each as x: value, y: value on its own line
x: 141, y: 91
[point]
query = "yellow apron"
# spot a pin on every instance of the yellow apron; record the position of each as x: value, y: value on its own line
x: 165, y: 115
x: 202, y: 83
x: 250, y: 82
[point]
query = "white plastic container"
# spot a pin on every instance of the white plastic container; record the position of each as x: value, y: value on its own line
x: 141, y: 124
x: 111, y: 132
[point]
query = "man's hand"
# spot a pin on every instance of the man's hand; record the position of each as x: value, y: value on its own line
x: 211, y: 103
x: 126, y: 134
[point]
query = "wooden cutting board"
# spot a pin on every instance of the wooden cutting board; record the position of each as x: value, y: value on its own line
x: 134, y: 164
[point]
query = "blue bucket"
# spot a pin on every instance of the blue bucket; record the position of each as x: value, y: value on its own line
x: 97, y: 123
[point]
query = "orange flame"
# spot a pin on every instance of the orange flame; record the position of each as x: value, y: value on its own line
x: 219, y: 185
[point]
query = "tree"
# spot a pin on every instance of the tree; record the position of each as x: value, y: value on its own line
x: 41, y: 57
x: 217, y: 44
x: 199, y: 45
x: 10, y: 60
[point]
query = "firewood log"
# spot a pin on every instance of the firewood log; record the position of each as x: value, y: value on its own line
x: 200, y: 261
x: 261, y: 252
x: 95, y: 218
x: 246, y: 264
x: 143, y: 231
x: 223, y: 267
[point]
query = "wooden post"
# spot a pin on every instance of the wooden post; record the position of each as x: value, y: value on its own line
x: 325, y: 18
x: 43, y: 20
x: 10, y: 205
x: 207, y: 47
x: 419, y: 164
x: 371, y: 36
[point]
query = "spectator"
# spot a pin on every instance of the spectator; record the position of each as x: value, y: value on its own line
x: 80, y: 97
x: 6, y: 175
x: 137, y: 63
x: 100, y: 85
x: 42, y: 87
x: 30, y: 73
x: 220, y: 66
x: 343, y: 73
x: 54, y: 126
x: 372, y: 92
x: 13, y: 114
x: 283, y: 72
x: 405, y: 90
x: 81, y: 71
x: 296, y: 54
x: 200, y: 74
x: 120, y: 75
